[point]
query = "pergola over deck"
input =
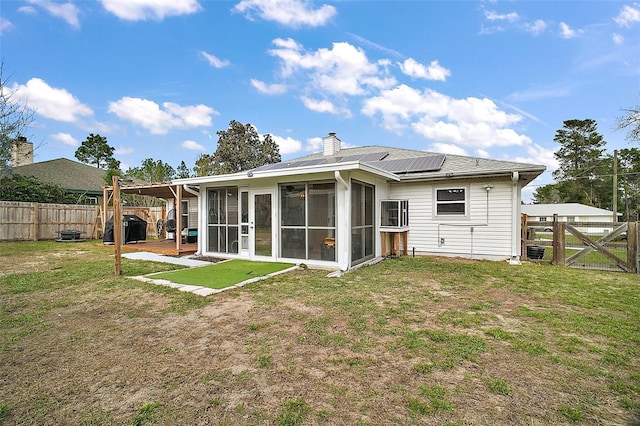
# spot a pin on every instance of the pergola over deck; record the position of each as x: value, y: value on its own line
x: 163, y: 190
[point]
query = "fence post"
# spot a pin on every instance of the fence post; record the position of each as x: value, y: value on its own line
x: 35, y: 210
x: 524, y: 236
x: 632, y: 247
x: 558, y: 241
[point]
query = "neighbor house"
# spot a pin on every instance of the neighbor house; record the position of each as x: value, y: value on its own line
x: 75, y: 178
x: 593, y: 217
x: 343, y: 207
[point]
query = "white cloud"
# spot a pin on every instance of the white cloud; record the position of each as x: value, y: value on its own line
x: 537, y: 154
x: 140, y: 10
x: 292, y: 13
x: 5, y: 25
x: 324, y: 106
x: 472, y: 122
x: 341, y: 70
x: 567, y: 32
x: 314, y: 144
x: 447, y: 148
x: 50, y: 102
x: 287, y: 145
x: 30, y: 10
x: 67, y: 11
x: 628, y: 15
x: 157, y: 120
x: 268, y: 89
x: 536, y: 93
x: 494, y: 16
x: 214, y: 61
x: 66, y: 139
x: 192, y: 145
x: 434, y: 71
x: 536, y: 28
x: 617, y: 39
x: 123, y: 150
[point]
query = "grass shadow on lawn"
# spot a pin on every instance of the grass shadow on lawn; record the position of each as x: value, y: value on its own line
x: 224, y: 274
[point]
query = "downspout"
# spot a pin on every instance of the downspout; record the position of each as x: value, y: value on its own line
x: 515, y: 219
x: 197, y: 194
x: 190, y: 190
x: 341, y: 180
x: 343, y: 225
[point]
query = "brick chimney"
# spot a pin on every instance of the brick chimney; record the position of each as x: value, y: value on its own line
x: 21, y: 152
x: 331, y: 144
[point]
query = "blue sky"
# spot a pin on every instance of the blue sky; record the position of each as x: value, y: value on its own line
x: 158, y: 78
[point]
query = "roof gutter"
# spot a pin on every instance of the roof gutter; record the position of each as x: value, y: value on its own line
x: 468, y: 175
x: 190, y: 190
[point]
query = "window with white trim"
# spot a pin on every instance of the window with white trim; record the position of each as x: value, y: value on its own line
x: 394, y: 213
x: 451, y: 202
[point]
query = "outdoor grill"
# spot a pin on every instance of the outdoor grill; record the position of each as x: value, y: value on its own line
x: 134, y: 229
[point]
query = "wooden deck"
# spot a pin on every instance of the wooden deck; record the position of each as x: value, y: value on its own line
x: 166, y: 247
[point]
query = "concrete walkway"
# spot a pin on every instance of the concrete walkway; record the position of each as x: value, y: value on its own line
x: 184, y: 261
x: 192, y: 263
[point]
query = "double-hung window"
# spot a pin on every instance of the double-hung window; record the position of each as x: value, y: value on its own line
x: 451, y: 202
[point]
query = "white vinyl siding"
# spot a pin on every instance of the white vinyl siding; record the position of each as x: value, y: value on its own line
x: 481, y: 233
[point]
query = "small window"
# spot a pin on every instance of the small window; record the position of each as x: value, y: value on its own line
x: 185, y: 214
x: 451, y: 202
x: 543, y: 218
x: 395, y: 213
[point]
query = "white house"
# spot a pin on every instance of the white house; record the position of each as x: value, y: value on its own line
x: 343, y: 207
x: 572, y: 212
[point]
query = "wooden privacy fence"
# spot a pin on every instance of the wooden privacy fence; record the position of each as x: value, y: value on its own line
x: 610, y: 246
x: 36, y: 221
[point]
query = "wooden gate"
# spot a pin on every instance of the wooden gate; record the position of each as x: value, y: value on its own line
x: 586, y: 245
x: 601, y: 246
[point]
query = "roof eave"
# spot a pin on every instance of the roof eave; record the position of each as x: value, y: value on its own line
x: 526, y: 175
x: 258, y: 174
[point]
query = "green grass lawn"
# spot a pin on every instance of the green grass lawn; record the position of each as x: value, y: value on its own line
x: 407, y: 341
x: 223, y: 274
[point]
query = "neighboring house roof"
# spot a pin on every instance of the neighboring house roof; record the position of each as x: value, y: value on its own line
x: 564, y: 209
x: 394, y: 164
x: 70, y: 175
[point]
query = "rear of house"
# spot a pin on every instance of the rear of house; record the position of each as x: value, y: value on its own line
x: 343, y: 207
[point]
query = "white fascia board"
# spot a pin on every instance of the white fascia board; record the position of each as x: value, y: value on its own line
x: 320, y: 168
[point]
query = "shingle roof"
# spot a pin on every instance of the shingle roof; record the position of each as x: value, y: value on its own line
x: 564, y: 209
x: 454, y: 166
x: 70, y: 175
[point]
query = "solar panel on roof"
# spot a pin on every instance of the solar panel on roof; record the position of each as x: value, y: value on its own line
x: 411, y: 165
x: 424, y: 164
x: 375, y: 156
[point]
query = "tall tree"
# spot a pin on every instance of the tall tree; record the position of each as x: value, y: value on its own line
x: 96, y: 151
x: 152, y: 171
x: 183, y: 172
x: 15, y: 118
x: 580, y: 157
x: 631, y: 120
x: 629, y: 180
x: 239, y: 148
